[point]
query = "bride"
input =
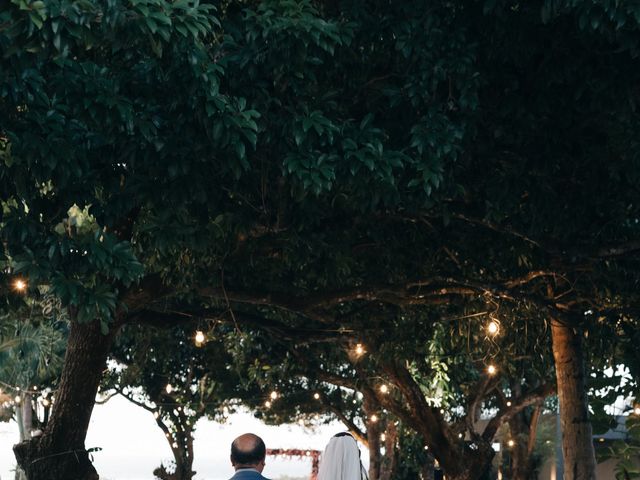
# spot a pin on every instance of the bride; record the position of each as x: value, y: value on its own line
x: 341, y: 460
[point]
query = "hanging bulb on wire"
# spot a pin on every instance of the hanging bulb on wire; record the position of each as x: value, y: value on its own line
x: 493, y: 328
x: 20, y: 285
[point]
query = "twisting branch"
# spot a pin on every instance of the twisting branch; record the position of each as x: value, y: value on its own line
x: 481, y: 389
x: 534, y: 397
x: 353, y: 428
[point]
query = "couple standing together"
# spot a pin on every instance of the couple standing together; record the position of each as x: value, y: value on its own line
x: 340, y: 459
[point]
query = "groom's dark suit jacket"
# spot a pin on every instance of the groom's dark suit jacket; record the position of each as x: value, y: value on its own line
x: 248, y: 474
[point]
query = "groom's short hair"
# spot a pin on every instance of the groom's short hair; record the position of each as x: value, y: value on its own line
x: 248, y: 449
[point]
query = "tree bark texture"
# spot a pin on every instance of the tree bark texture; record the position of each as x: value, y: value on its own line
x: 577, y: 438
x: 373, y: 438
x: 523, y: 428
x: 60, y: 452
x: 391, y: 453
x: 181, y: 444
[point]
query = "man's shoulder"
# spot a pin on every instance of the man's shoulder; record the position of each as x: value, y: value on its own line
x: 248, y: 475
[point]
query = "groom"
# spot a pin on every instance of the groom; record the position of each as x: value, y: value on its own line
x: 247, y: 457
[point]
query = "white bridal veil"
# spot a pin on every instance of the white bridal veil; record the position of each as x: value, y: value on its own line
x: 341, y: 460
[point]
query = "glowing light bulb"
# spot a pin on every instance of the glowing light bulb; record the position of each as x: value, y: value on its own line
x: 301, y: 422
x: 636, y: 410
x: 168, y: 388
x: 359, y: 349
x: 45, y: 402
x: 491, y: 369
x: 17, y: 399
x: 267, y: 404
x: 459, y: 435
x: 316, y: 396
x: 383, y: 437
x: 493, y: 327
x: 273, y: 395
x: 20, y: 285
x: 511, y: 443
x: 509, y: 403
x: 384, y: 388
x: 156, y: 415
x: 199, y: 338
x: 374, y: 418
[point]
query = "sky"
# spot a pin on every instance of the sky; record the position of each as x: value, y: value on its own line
x: 133, y: 445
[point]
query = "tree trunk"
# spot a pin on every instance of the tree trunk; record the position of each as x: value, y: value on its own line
x: 391, y: 453
x: 577, y: 437
x: 428, y: 469
x: 373, y: 438
x: 459, y: 460
x: 523, y: 430
x: 60, y: 452
x: 181, y: 444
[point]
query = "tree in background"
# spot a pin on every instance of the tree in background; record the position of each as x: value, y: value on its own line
x: 32, y: 339
x: 180, y: 375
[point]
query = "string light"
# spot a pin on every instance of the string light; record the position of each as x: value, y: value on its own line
x: 636, y: 410
x: 168, y: 388
x: 459, y: 435
x: 17, y: 399
x: 273, y: 395
x: 383, y: 437
x: 511, y: 443
x: 199, y: 338
x: 359, y: 349
x: 384, y: 388
x: 20, y: 285
x: 267, y: 404
x: 373, y: 418
x: 156, y: 415
x: 509, y: 403
x: 491, y: 369
x: 45, y: 402
x: 493, y: 328
x: 316, y: 396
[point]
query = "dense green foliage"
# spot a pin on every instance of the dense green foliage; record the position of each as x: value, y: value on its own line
x: 336, y: 173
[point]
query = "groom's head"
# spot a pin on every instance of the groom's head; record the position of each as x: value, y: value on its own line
x: 248, y: 451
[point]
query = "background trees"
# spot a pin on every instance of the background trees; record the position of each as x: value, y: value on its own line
x: 177, y: 378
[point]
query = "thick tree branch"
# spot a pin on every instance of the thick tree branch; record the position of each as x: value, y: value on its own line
x: 534, y: 397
